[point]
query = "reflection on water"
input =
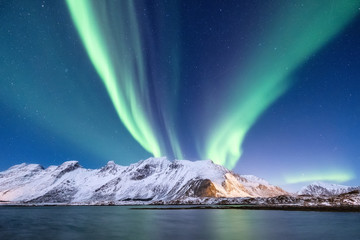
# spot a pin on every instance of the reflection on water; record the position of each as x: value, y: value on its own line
x: 124, y: 223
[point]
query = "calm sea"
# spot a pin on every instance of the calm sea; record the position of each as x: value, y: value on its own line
x: 122, y: 222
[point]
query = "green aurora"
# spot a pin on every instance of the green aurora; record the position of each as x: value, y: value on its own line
x: 126, y: 86
x: 337, y: 175
x: 291, y: 40
x: 114, y: 44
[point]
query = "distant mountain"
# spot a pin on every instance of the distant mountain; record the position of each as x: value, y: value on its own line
x: 325, y: 189
x: 153, y: 179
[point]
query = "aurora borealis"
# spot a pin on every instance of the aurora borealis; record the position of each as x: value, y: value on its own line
x: 256, y: 86
x: 112, y: 40
x: 266, y: 76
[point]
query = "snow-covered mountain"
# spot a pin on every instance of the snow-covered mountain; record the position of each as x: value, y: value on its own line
x: 151, y: 179
x: 325, y: 189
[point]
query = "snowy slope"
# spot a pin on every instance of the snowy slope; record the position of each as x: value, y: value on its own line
x: 150, y: 179
x: 325, y: 189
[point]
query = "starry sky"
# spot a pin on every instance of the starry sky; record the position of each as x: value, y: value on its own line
x: 269, y: 88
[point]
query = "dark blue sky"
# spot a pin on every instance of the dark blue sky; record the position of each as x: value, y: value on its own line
x: 54, y: 107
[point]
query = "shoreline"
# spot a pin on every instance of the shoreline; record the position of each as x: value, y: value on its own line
x: 319, y: 208
x: 259, y: 207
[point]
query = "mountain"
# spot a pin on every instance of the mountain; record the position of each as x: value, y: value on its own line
x: 152, y: 179
x: 325, y: 189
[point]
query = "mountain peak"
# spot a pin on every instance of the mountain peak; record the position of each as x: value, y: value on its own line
x: 27, y: 166
x: 69, y: 163
x: 150, y: 179
x: 325, y: 189
x: 111, y: 167
x: 328, y: 185
x: 111, y: 163
x: 155, y: 160
x: 17, y: 166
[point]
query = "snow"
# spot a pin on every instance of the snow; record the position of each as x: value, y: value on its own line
x: 325, y: 189
x: 255, y: 179
x: 153, y: 178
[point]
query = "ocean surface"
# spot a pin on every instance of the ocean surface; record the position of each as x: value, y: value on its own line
x: 123, y: 222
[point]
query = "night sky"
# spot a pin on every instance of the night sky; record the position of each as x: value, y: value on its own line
x: 269, y: 88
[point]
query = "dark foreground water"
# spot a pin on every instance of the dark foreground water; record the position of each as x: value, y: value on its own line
x: 82, y: 222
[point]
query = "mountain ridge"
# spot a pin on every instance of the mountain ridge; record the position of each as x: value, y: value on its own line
x: 152, y: 179
x: 326, y: 189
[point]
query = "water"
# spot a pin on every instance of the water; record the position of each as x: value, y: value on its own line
x: 121, y: 222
